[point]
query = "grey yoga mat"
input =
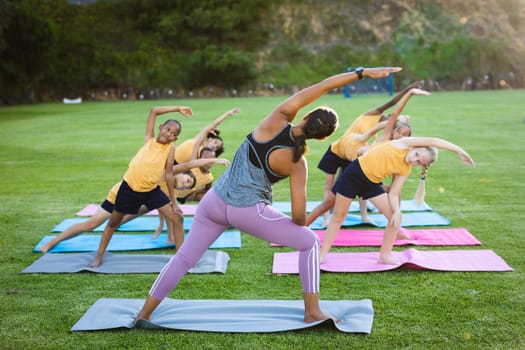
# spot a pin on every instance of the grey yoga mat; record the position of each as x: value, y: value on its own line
x: 211, y: 261
x: 234, y: 316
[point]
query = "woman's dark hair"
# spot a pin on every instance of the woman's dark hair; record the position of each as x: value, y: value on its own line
x: 213, y: 132
x: 321, y: 123
x: 219, y: 150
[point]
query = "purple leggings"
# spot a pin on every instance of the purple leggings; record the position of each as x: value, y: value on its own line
x: 213, y: 216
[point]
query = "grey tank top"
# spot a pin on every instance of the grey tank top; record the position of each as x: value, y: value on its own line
x: 244, y: 184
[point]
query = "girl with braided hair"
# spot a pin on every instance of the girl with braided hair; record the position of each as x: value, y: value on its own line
x: 242, y: 196
x: 363, y: 177
x: 346, y: 148
x: 353, y: 144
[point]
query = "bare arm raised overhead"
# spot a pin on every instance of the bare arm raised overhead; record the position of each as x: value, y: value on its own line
x: 156, y: 111
x: 389, y: 127
x: 393, y: 101
x: 416, y: 142
x: 210, y: 128
x: 287, y: 110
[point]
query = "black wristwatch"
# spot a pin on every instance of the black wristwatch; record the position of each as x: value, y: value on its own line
x: 359, y: 72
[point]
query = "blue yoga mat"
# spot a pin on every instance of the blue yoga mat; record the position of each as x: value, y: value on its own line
x: 135, y: 241
x: 406, y: 205
x: 141, y: 223
x: 232, y: 316
x: 409, y: 220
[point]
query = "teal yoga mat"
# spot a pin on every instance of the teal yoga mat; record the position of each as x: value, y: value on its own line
x: 231, y: 316
x: 135, y: 241
x: 406, y: 205
x: 409, y: 220
x: 141, y: 223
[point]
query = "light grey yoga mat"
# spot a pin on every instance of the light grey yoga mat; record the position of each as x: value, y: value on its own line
x: 234, y: 316
x: 211, y: 261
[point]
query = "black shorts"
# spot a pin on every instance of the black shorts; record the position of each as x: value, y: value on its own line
x: 331, y: 162
x: 353, y: 182
x: 129, y: 201
x: 107, y: 206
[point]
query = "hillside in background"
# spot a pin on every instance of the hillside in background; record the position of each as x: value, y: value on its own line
x: 406, y: 30
x: 150, y: 49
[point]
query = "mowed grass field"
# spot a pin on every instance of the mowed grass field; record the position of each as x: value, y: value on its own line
x: 57, y: 158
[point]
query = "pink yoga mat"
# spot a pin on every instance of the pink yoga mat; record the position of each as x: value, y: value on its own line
x: 423, y: 237
x: 90, y: 209
x: 443, y: 260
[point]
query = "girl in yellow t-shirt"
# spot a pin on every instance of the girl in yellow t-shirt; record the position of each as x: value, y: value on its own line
x: 152, y: 163
x: 183, y: 180
x: 354, y: 144
x: 363, y: 178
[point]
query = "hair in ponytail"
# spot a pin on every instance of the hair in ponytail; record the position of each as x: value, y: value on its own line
x: 321, y: 122
x: 420, y: 192
x: 300, y: 148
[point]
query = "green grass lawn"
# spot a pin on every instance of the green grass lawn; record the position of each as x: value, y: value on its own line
x: 57, y: 158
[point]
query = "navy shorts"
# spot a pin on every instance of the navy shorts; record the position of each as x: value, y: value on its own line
x: 107, y: 206
x: 353, y: 182
x: 129, y: 201
x: 331, y: 162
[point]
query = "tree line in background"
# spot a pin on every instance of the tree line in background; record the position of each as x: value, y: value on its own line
x: 140, y: 49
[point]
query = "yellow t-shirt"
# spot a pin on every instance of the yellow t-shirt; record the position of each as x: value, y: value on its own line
x: 184, y: 150
x: 384, y: 160
x: 364, y: 123
x: 112, y: 194
x: 377, y: 143
x: 347, y: 147
x: 146, y: 169
x: 361, y: 125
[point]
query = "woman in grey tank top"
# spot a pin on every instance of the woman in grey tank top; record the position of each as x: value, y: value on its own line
x: 241, y: 196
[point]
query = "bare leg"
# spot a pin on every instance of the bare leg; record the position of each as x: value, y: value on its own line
x: 176, y: 220
x: 312, y: 311
x: 341, y: 206
x: 403, y: 234
x: 114, y: 221
x: 149, y: 306
x: 171, y: 232
x: 326, y: 204
x: 389, y: 236
x: 326, y: 219
x: 363, y: 208
x: 89, y: 225
x: 159, y: 228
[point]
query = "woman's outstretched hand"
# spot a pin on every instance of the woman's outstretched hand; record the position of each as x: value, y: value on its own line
x: 420, y: 92
x: 380, y: 72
